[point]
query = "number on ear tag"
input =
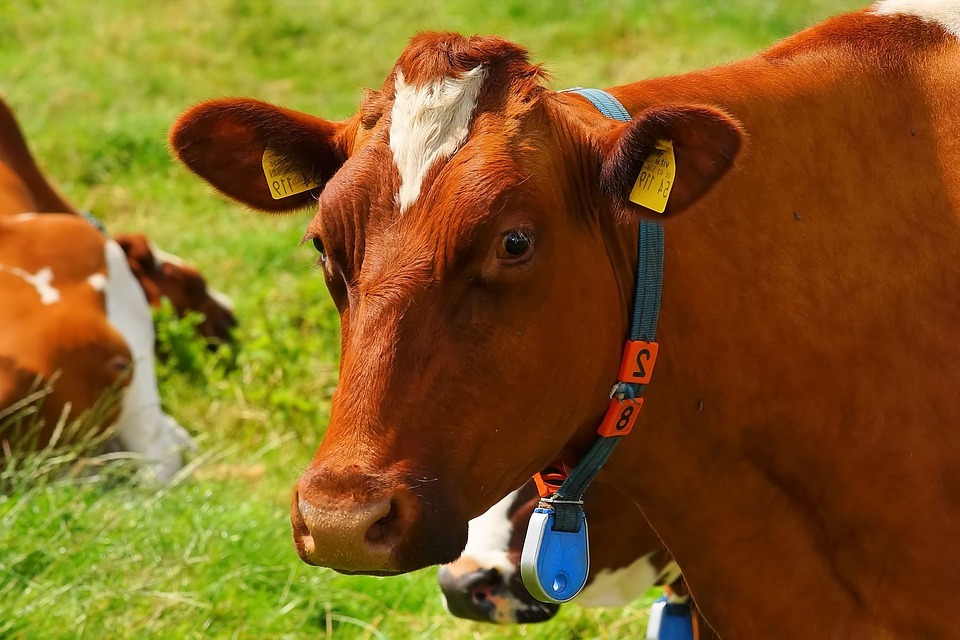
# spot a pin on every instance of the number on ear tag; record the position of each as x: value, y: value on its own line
x: 554, y: 564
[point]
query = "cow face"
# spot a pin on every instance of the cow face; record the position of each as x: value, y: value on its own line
x: 469, y: 230
x: 484, y: 583
x: 164, y: 275
x: 626, y: 559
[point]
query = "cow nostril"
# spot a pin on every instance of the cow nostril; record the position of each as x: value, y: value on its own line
x: 380, y: 531
x: 479, y: 596
x: 483, y: 585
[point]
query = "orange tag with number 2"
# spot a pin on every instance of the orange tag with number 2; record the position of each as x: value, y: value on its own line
x: 639, y: 358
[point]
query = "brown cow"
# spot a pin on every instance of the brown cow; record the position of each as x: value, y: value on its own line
x: 25, y: 189
x: 477, y: 235
x: 74, y: 317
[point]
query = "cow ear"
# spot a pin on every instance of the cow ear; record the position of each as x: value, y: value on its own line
x: 705, y: 142
x: 223, y: 141
x: 137, y: 249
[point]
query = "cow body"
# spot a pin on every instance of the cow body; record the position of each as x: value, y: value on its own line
x: 73, y: 318
x: 788, y: 411
x: 803, y: 413
x: 25, y: 189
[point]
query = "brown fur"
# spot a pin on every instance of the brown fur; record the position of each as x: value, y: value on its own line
x: 71, y: 341
x: 181, y: 284
x: 25, y: 189
x: 803, y: 408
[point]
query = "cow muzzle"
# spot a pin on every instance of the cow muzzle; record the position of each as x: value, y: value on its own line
x: 490, y: 595
x: 356, y: 523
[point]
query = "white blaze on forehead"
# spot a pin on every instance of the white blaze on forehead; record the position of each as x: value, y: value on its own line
x: 488, y: 537
x: 946, y: 13
x: 429, y: 123
x: 41, y: 281
x: 142, y: 426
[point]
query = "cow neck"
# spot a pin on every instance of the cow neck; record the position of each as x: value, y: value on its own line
x: 562, y: 489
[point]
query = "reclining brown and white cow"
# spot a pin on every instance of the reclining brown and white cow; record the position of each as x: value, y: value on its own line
x: 76, y: 314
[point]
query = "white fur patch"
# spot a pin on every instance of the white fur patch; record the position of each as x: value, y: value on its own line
x: 142, y: 426
x: 946, y: 13
x: 163, y: 257
x: 98, y: 281
x: 488, y: 537
x: 23, y: 217
x: 41, y: 281
x: 429, y: 123
x: 620, y: 587
x: 221, y: 299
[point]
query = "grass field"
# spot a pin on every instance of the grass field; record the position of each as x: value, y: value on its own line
x: 96, y: 85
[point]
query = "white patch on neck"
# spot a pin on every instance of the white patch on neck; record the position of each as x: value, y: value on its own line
x: 488, y: 537
x: 946, y: 13
x: 98, y: 281
x: 142, y: 426
x: 429, y: 123
x: 41, y: 281
x: 621, y: 586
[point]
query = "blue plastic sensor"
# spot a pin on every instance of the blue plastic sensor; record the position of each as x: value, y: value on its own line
x: 670, y: 621
x: 554, y: 564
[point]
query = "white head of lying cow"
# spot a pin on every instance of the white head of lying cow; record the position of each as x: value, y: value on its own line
x: 626, y: 559
x: 469, y: 231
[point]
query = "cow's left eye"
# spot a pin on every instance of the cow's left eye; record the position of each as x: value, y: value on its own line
x: 516, y: 244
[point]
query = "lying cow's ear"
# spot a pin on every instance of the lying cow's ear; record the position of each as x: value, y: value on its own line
x: 224, y: 141
x: 637, y: 166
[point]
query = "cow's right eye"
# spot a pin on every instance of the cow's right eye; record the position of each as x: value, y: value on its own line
x: 318, y: 245
x: 516, y: 245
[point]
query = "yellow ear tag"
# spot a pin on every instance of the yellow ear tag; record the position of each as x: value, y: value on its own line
x: 283, y: 182
x: 655, y: 181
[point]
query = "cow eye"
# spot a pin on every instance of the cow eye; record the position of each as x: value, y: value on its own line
x: 318, y: 245
x: 516, y: 244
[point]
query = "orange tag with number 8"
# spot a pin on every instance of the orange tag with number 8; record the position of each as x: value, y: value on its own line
x: 620, y: 417
x: 639, y: 357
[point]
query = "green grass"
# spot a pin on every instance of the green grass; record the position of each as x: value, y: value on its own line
x: 96, y: 85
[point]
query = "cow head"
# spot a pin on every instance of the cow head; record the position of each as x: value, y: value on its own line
x: 626, y: 559
x: 164, y: 275
x: 484, y: 583
x: 475, y: 232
